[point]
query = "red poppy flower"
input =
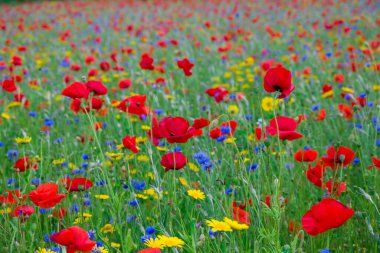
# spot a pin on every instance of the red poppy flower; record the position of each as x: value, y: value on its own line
x: 146, y: 62
x: 360, y: 101
x: 173, y: 161
x: 219, y: 94
x: 375, y: 163
x: 346, y: 111
x: 74, y: 238
x: 22, y: 99
x: 306, y: 155
x: 186, y: 66
x: 315, y: 174
x: 265, y: 65
x: 17, y: 60
x: 335, y: 188
x: 260, y: 134
x: 97, y: 88
x: 130, y: 143
x: 89, y: 59
x: 215, y: 133
x: 281, y: 200
x: 9, y: 86
x: 200, y: 123
x: 23, y: 212
x: 160, y: 80
x: 92, y: 72
x: 321, y: 115
x: 156, y: 132
x: 339, y: 78
x: 104, y: 66
x: 75, y: 105
x: 96, y: 104
x: 279, y: 79
x: 284, y: 127
x: 150, y: 250
x: 11, y: 199
x: 77, y: 184
x: 294, y: 227
x: 232, y: 124
x: 23, y: 164
x: 125, y: 84
x: 335, y: 158
x: 75, y: 67
x: 134, y: 105
x: 176, y: 129
x: 113, y: 57
x: 46, y: 195
x: 240, y: 215
x: 60, y: 213
x: 76, y: 90
x: 325, y: 215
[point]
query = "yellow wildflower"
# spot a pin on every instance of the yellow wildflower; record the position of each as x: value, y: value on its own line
x: 43, y: 250
x: 59, y: 161
x: 5, y: 210
x: 183, y: 181
x: 143, y: 158
x: 154, y: 243
x: 218, y: 226
x: 235, y: 225
x: 102, y: 196
x: 233, y: 109
x: 196, y: 194
x: 267, y: 104
x: 114, y: 156
x: 141, y: 196
x: 162, y: 149
x: 115, y: 245
x: 13, y: 104
x: 23, y: 140
x: 5, y: 115
x: 193, y: 167
x: 230, y: 140
x: 141, y: 139
x: 108, y: 228
x: 171, y: 241
x: 328, y: 94
x: 145, y: 127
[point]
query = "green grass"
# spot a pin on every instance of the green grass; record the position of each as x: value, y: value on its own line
x: 175, y: 213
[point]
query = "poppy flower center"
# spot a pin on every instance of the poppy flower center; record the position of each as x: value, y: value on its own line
x: 277, y: 88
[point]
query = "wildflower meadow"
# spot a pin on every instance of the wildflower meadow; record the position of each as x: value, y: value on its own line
x: 190, y: 126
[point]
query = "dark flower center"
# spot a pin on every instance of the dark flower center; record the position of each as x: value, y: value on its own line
x: 277, y: 88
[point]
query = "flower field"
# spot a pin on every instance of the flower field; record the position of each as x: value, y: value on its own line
x: 190, y: 126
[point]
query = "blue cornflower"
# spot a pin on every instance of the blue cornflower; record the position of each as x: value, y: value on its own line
x: 139, y: 186
x: 58, y: 140
x: 48, y: 122
x: 150, y: 230
x: 35, y: 181
x: 13, y: 153
x: 145, y: 237
x: 252, y: 167
x: 32, y: 114
x: 133, y: 202
x: 228, y: 191
x: 221, y: 138
x: 131, y: 218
